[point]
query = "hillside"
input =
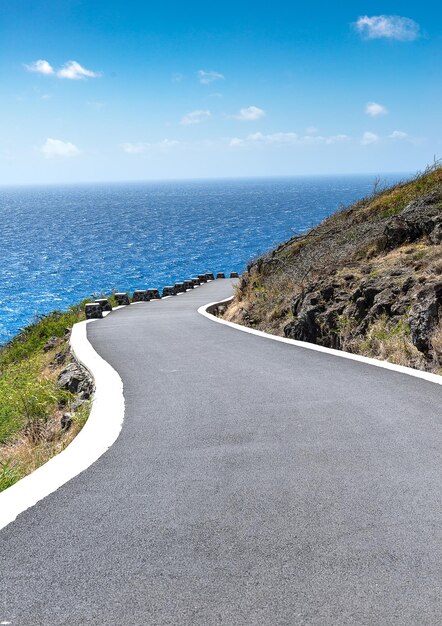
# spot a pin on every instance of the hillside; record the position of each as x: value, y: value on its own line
x: 367, y: 280
x: 44, y: 394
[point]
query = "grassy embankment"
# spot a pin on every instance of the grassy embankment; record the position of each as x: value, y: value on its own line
x: 367, y: 280
x: 31, y: 402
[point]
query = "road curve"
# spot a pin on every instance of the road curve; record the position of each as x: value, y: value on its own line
x: 253, y: 483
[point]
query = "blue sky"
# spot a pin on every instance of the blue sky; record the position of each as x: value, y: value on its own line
x: 97, y: 91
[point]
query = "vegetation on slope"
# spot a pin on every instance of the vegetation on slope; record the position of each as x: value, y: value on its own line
x: 367, y: 280
x: 38, y: 415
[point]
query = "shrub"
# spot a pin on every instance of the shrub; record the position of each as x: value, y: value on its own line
x: 27, y: 399
x: 32, y: 338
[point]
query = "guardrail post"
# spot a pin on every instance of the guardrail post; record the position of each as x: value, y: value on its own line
x: 93, y: 311
x: 122, y: 298
x: 140, y: 295
x: 104, y: 303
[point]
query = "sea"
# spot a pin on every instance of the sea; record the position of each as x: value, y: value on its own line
x: 61, y: 244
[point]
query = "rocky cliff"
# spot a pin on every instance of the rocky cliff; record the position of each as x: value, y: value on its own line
x: 367, y: 280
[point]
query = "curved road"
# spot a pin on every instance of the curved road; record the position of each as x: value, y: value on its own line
x: 253, y: 483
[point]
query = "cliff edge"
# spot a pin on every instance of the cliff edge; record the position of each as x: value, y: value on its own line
x: 367, y: 280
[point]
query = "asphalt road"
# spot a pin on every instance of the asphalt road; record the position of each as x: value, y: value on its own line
x: 253, y: 483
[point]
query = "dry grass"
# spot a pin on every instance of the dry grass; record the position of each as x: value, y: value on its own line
x: 392, y: 201
x: 26, y: 453
x: 233, y: 312
x: 31, y: 403
x: 345, y: 251
x: 388, y: 341
x: 267, y: 302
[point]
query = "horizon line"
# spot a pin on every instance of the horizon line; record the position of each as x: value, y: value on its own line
x: 206, y: 179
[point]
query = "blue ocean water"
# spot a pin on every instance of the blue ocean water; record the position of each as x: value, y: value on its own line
x: 60, y: 244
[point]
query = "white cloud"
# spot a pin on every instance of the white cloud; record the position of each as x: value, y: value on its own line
x: 134, y: 148
x: 71, y: 70
x: 374, y: 109
x: 273, y: 138
x: 74, y: 71
x: 289, y: 138
x: 195, y: 117
x: 308, y: 140
x: 206, y: 78
x: 398, y: 134
x: 139, y: 148
x: 256, y: 138
x: 250, y: 114
x: 58, y: 148
x: 337, y: 139
x: 40, y: 67
x: 167, y: 143
x: 236, y: 142
x: 311, y: 130
x: 281, y: 138
x: 388, y: 27
x: 369, y: 138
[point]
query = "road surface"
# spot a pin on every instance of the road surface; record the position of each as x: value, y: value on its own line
x: 253, y: 483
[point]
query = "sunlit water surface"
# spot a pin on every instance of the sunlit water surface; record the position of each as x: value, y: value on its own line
x: 60, y: 244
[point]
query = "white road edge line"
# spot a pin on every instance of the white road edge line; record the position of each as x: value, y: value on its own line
x: 95, y: 438
x: 100, y: 432
x: 432, y: 378
x: 107, y: 414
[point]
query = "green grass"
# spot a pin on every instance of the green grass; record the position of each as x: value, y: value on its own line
x: 32, y: 338
x: 393, y: 210
x: 30, y: 400
x: 9, y: 474
x: 420, y: 254
x: 27, y: 398
x: 28, y: 394
x: 384, y: 331
x: 393, y: 200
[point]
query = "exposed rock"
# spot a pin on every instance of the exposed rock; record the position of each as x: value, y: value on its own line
x: 66, y: 421
x: 362, y: 306
x: 341, y: 295
x: 76, y: 379
x: 361, y: 280
x: 59, y: 358
x: 424, y: 316
x: 51, y: 343
x: 408, y: 283
x: 382, y: 303
x: 436, y: 234
x: 305, y: 327
x: 399, y: 308
x: 421, y: 217
x: 77, y: 403
x: 296, y: 303
x: 327, y: 292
